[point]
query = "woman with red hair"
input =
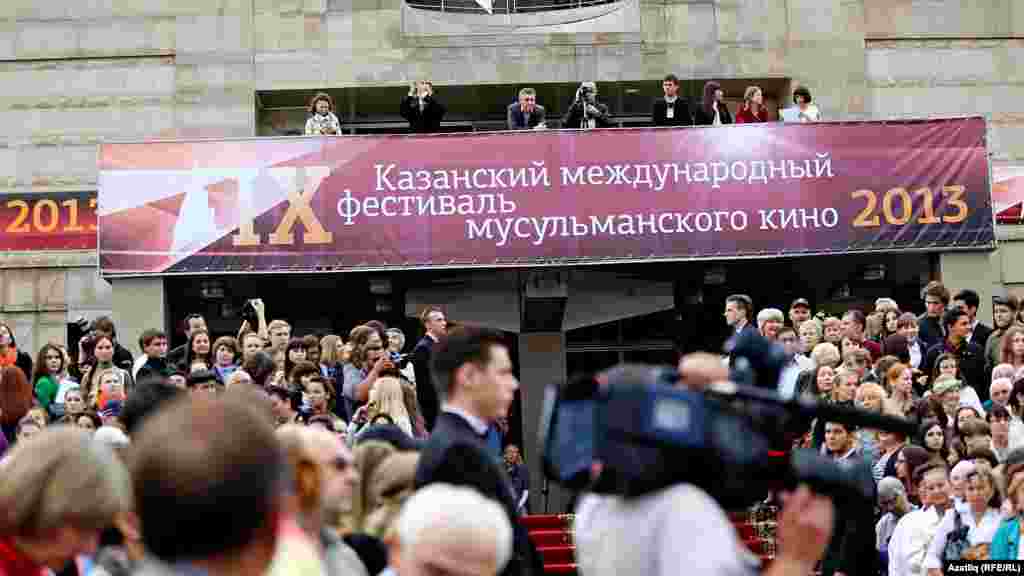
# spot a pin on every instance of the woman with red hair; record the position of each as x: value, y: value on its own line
x: 15, y: 399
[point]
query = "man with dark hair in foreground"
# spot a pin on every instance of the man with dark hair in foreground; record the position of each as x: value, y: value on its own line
x: 208, y: 480
x: 473, y: 373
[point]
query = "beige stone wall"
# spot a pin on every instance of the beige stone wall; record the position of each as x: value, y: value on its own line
x: 949, y: 58
x: 77, y: 73
x: 38, y: 303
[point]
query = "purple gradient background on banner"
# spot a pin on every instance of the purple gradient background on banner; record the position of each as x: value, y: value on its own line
x: 871, y: 156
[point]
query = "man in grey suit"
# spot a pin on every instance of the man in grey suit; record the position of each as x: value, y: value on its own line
x: 526, y: 114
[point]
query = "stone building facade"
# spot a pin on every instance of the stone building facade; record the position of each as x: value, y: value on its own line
x: 78, y: 73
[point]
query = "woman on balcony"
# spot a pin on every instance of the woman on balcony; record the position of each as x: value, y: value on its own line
x: 753, y: 110
x: 712, y: 110
x: 322, y: 120
x: 805, y: 110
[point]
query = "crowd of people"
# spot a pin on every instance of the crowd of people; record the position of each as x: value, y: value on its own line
x: 359, y: 425
x: 951, y: 491
x: 349, y: 455
x: 312, y: 455
x: 424, y: 112
x: 263, y: 452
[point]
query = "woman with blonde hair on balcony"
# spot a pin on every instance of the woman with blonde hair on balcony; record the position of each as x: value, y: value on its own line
x: 753, y: 110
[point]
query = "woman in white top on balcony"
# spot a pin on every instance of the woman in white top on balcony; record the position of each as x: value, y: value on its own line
x: 805, y: 110
x: 322, y: 120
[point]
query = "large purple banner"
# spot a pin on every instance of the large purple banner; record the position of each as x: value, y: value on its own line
x: 543, y: 198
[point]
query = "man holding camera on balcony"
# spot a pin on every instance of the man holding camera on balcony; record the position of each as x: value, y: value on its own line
x: 586, y: 112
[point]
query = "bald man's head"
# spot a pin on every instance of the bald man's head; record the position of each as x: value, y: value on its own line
x: 323, y: 465
x: 451, y: 530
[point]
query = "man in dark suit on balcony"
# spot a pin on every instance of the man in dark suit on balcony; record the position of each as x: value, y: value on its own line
x: 526, y: 114
x: 421, y: 108
x: 671, y: 109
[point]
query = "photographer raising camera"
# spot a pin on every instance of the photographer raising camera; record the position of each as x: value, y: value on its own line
x: 586, y: 111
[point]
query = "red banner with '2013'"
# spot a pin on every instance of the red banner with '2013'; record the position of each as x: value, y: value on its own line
x: 543, y: 198
x: 45, y: 221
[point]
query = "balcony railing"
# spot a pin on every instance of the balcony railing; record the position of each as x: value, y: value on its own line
x: 504, y: 6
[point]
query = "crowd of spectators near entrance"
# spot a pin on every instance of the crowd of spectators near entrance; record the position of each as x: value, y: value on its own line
x: 366, y: 454
x: 960, y: 380
x: 424, y: 112
x: 262, y: 452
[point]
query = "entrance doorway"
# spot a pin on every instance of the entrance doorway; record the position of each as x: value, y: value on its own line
x: 646, y: 339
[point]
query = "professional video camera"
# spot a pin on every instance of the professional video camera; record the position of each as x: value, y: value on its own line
x: 649, y: 435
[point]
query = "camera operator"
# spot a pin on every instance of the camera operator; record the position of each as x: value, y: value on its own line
x: 656, y: 533
x: 586, y: 111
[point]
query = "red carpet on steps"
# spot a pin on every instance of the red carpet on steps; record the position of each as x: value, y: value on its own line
x: 552, y: 534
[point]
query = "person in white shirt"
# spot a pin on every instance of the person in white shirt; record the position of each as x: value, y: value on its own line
x: 914, y: 531
x: 893, y: 502
x: 804, y: 110
x: 982, y: 519
x: 681, y: 528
